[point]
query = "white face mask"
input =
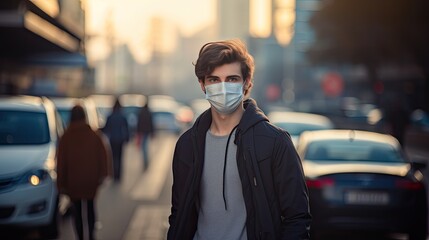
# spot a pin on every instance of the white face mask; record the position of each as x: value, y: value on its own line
x: 225, y: 97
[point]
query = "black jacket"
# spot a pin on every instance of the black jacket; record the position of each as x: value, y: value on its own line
x: 274, y: 189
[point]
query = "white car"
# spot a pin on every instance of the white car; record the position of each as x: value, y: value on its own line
x: 165, y: 113
x: 64, y: 106
x: 298, y: 122
x: 131, y: 107
x: 29, y: 131
x: 104, y: 104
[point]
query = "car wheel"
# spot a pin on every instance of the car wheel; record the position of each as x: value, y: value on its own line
x: 51, y: 231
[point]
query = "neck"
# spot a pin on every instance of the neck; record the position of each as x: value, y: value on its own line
x: 223, y: 124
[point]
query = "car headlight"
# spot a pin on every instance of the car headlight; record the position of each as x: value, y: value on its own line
x: 34, y: 177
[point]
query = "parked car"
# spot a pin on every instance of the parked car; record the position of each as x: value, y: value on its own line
x: 198, y: 106
x: 362, y: 181
x: 418, y: 119
x: 131, y: 107
x: 104, y: 104
x: 165, y: 113
x: 29, y: 130
x: 185, y: 116
x: 298, y: 122
x: 65, y: 104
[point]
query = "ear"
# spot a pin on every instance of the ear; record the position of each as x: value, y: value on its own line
x: 248, y: 85
x: 247, y: 88
x: 202, y: 86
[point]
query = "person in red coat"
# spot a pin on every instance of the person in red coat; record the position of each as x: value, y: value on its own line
x: 83, y: 164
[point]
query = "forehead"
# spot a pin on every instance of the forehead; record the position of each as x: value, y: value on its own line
x: 227, y: 69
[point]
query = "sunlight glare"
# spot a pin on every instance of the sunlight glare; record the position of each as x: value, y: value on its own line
x: 284, y: 19
x: 132, y: 22
x: 260, y: 18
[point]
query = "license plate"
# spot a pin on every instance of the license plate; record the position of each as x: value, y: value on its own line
x: 366, y: 198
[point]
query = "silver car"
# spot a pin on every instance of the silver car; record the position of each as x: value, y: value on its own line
x: 64, y: 106
x: 298, y: 122
x: 29, y: 131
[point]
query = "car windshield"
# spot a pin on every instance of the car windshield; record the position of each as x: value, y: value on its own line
x: 298, y: 128
x: 21, y: 128
x: 341, y: 150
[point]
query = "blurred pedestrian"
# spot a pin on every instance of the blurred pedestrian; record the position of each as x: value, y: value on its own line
x: 82, y: 165
x: 145, y: 131
x: 116, y: 129
x: 235, y: 175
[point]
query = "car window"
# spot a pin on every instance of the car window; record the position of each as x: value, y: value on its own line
x: 352, y: 151
x: 20, y: 128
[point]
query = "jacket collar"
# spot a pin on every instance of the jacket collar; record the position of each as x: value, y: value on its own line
x: 251, y: 116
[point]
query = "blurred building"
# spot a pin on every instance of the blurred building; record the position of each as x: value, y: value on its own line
x: 232, y: 19
x: 184, y: 85
x: 116, y: 73
x: 283, y: 74
x: 42, y: 48
x: 302, y: 75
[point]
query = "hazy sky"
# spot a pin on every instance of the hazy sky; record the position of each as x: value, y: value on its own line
x: 131, y: 18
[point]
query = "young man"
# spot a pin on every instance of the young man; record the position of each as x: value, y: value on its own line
x: 235, y: 176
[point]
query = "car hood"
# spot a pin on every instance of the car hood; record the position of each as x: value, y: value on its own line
x: 314, y: 169
x: 15, y: 159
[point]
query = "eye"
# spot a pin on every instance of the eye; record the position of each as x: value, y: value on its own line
x: 211, y: 80
x: 234, y: 79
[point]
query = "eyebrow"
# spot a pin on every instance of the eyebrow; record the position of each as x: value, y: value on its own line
x: 229, y: 76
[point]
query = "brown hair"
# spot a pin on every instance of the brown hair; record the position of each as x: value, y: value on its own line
x: 215, y: 54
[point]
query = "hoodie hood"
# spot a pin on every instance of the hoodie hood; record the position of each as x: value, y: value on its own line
x: 251, y: 116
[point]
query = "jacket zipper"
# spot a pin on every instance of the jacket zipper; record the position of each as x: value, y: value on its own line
x: 255, y: 182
